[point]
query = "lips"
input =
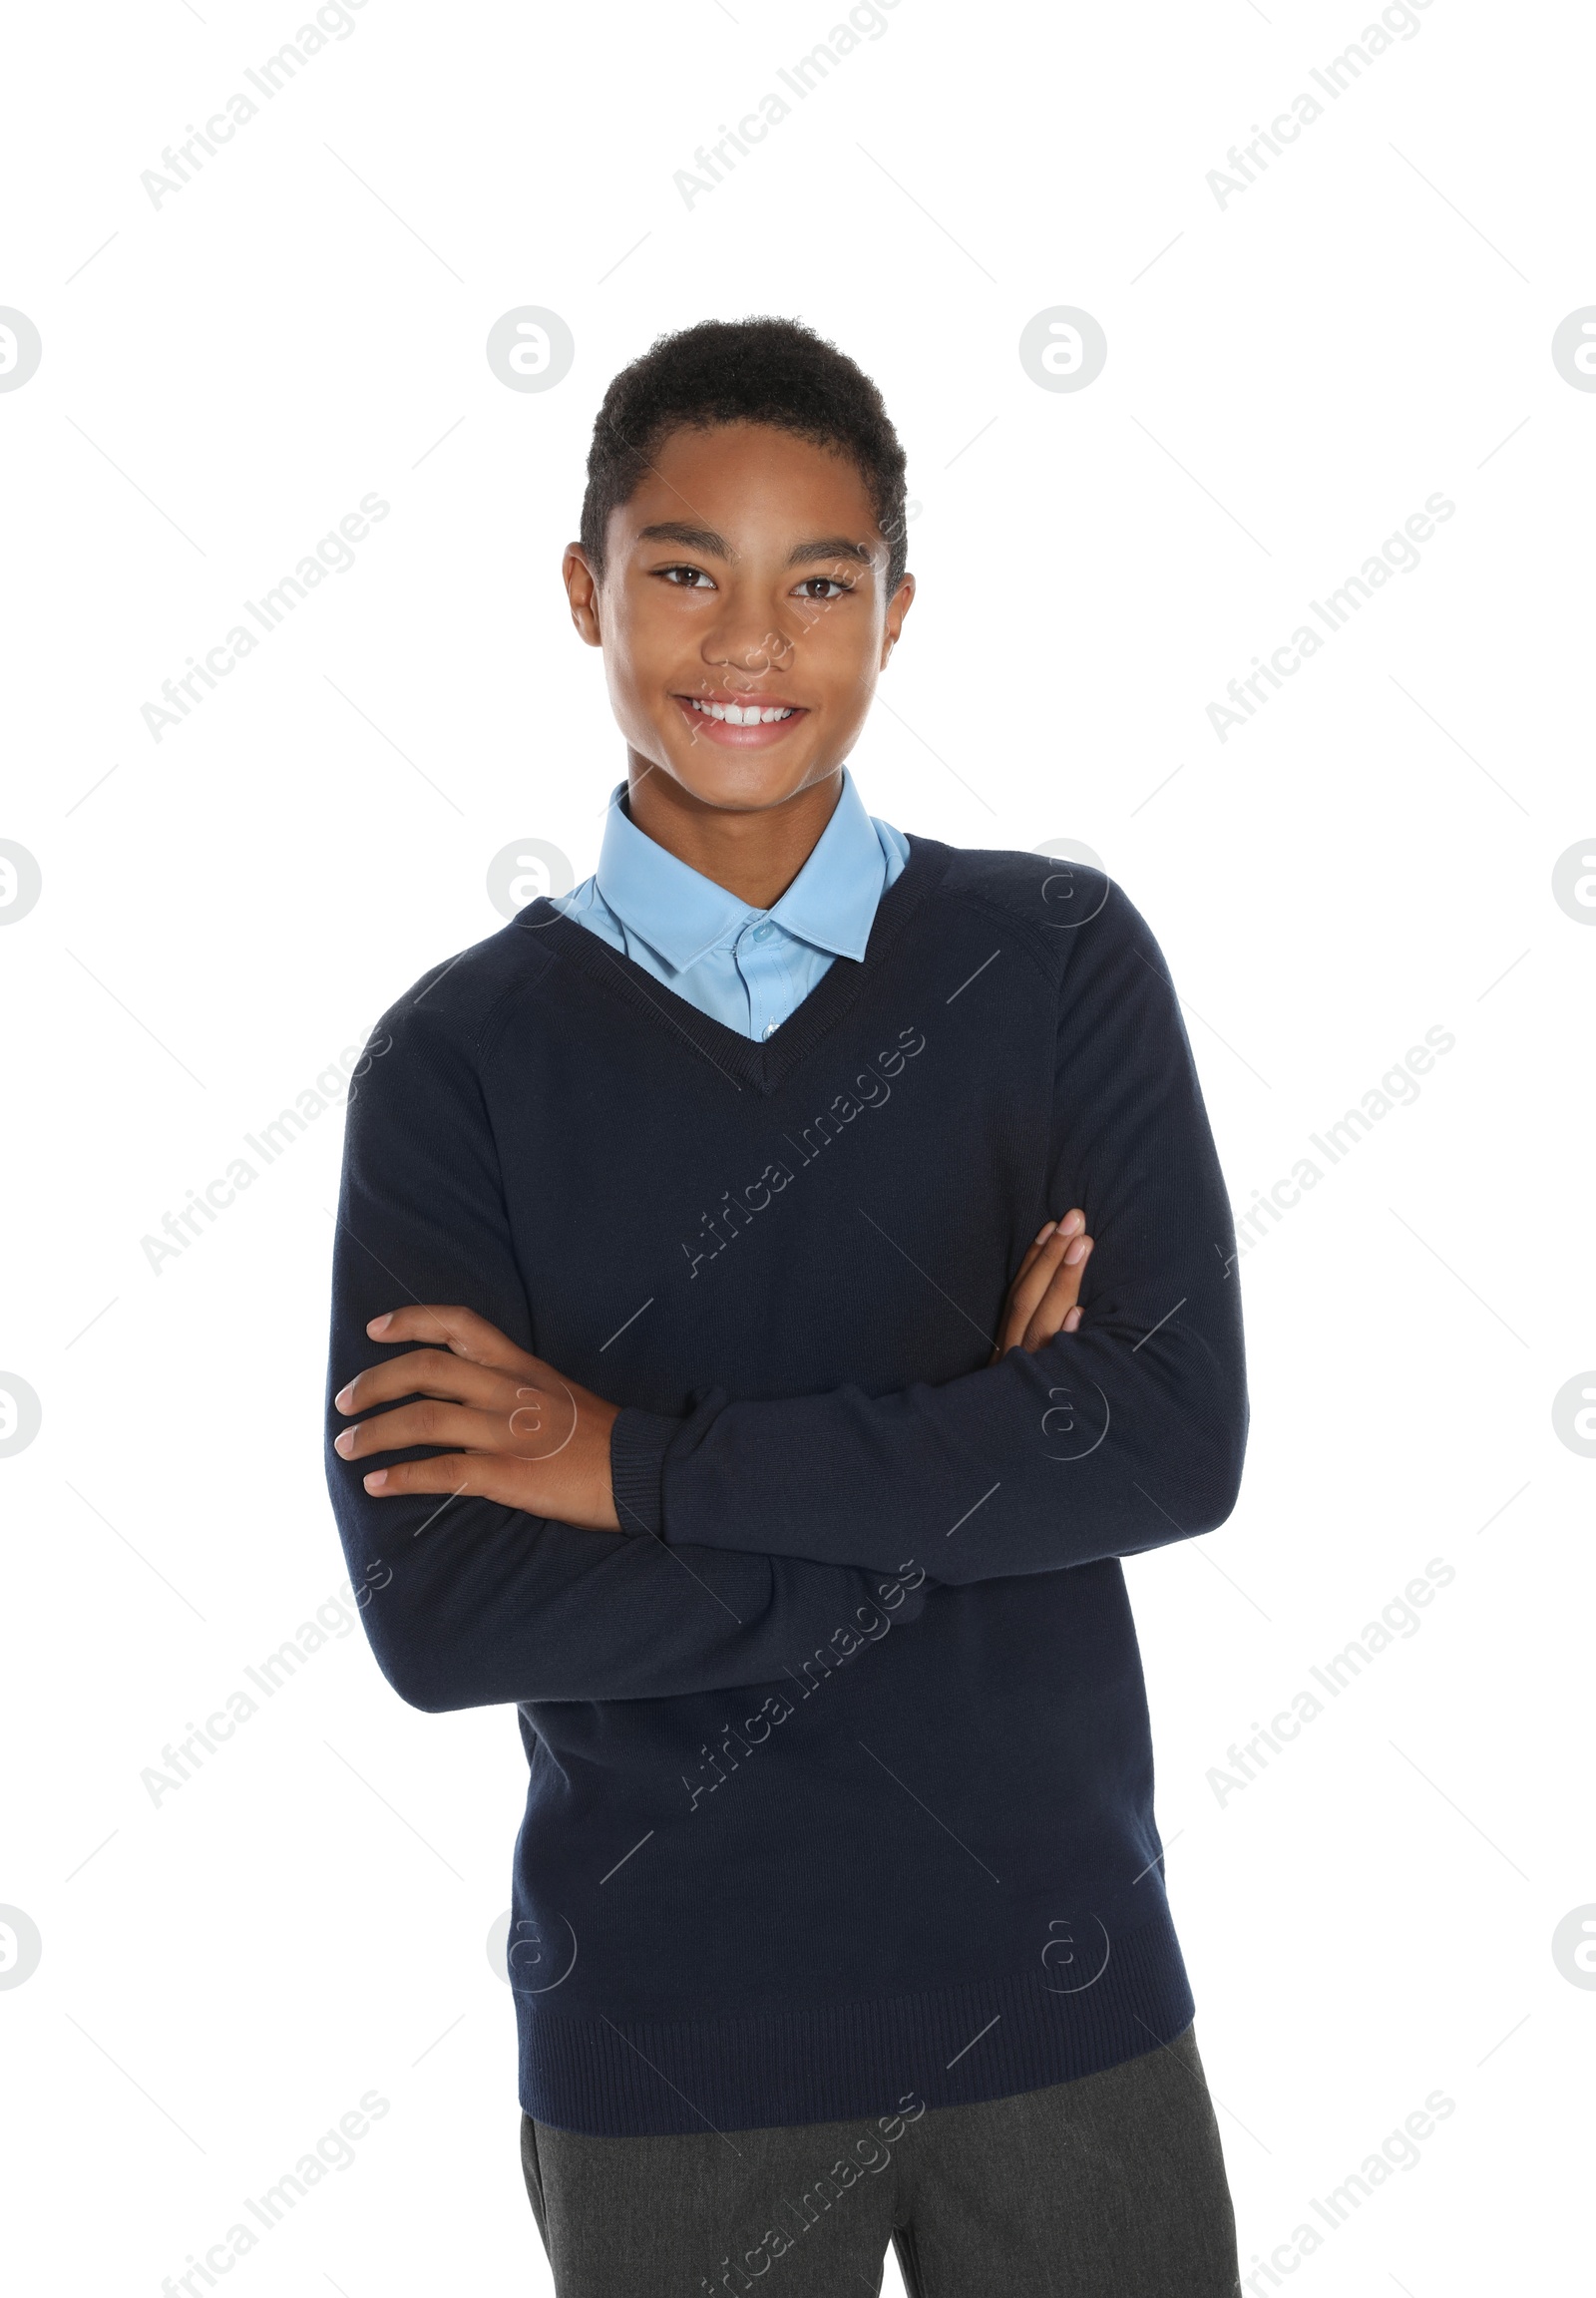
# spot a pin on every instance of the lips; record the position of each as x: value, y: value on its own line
x: 749, y: 712
x: 740, y: 721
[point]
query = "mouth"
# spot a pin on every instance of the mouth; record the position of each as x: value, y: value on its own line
x: 740, y: 722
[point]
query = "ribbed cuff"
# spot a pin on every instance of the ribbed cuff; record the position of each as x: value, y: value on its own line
x: 638, y: 1441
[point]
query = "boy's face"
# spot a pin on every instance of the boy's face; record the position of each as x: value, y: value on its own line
x: 747, y: 573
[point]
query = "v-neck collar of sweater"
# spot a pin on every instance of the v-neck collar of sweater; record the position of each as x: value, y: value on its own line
x: 762, y: 1064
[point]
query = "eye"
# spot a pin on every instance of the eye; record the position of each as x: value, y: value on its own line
x: 829, y: 589
x: 684, y: 578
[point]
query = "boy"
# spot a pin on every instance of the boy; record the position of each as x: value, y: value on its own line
x: 708, y: 1381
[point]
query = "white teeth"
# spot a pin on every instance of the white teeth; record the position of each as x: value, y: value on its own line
x: 735, y: 714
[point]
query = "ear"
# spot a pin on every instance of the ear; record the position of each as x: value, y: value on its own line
x: 583, y: 589
x: 896, y: 607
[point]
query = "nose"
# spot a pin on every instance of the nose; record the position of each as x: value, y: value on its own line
x: 743, y: 640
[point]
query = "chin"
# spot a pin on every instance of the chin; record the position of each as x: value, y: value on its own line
x: 751, y: 780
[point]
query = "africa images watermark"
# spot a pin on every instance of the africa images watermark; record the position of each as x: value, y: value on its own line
x: 334, y: 1621
x: 1397, y: 554
x: 333, y: 2150
x: 269, y: 79
x: 845, y: 1643
x: 1247, y: 163
x: 716, y: 160
x: 333, y: 555
x: 1399, y: 1088
x: 1397, y: 2152
x: 1397, y: 1618
x: 871, y: 1091
x: 790, y: 2220
x: 180, y: 1229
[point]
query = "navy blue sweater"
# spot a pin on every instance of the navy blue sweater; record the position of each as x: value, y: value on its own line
x: 841, y: 1783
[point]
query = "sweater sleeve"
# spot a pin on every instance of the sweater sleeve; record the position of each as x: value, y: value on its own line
x: 467, y: 1603
x: 1122, y: 1437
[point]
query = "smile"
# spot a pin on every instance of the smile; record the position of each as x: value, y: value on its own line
x: 749, y: 714
x: 727, y: 723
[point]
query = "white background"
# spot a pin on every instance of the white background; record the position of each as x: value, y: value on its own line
x: 1369, y: 856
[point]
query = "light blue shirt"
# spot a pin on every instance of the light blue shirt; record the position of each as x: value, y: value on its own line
x: 747, y: 967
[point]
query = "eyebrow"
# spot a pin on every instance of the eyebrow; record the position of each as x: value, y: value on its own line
x: 831, y: 546
x: 706, y: 540
x: 695, y: 537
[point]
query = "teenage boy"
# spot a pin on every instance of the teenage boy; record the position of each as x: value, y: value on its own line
x: 706, y: 1382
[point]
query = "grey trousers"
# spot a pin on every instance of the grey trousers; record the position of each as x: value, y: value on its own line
x: 1110, y: 2186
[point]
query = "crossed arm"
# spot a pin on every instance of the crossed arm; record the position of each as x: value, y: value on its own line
x: 492, y: 1577
x: 522, y: 1434
x: 513, y: 1528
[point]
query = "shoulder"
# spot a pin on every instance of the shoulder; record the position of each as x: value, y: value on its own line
x: 1058, y: 904
x: 460, y: 1004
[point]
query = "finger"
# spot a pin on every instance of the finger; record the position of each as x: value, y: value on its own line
x: 428, y: 1421
x: 1054, y: 1303
x: 1060, y: 1298
x: 1036, y: 1273
x: 1031, y: 1277
x: 1032, y: 1249
x: 428, y: 1372
x: 1055, y: 1233
x: 477, y: 1475
x: 1027, y: 1263
x: 461, y: 1331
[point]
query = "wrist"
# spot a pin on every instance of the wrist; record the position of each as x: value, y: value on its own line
x: 638, y: 1442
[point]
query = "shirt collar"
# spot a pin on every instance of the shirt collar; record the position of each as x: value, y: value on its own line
x: 681, y: 914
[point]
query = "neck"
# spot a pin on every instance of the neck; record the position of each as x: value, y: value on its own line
x: 755, y: 851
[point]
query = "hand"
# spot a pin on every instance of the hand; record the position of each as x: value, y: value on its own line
x: 523, y: 1435
x: 1044, y: 1299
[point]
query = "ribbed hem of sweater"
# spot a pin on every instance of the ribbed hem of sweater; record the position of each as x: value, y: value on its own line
x: 759, y: 2070
x: 638, y: 1442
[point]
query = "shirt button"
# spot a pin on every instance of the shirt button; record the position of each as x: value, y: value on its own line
x: 770, y: 1029
x: 762, y: 933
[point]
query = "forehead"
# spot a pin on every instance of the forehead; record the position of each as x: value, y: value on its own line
x: 742, y: 477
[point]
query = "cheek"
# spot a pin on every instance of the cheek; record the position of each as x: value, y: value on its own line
x: 635, y: 669
x: 652, y: 646
x: 840, y: 657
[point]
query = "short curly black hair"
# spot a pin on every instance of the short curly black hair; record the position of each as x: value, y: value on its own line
x: 775, y: 371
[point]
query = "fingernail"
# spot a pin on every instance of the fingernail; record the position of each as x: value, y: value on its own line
x: 1047, y: 1232
x: 344, y: 1441
x: 1074, y: 1252
x: 376, y: 1480
x: 343, y: 1396
x: 380, y: 1324
x: 1071, y: 1223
